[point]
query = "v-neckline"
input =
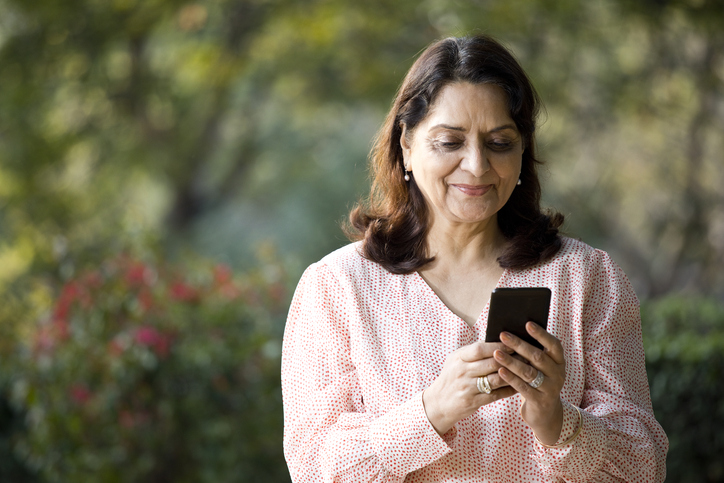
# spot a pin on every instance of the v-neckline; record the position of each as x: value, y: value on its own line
x: 483, y: 313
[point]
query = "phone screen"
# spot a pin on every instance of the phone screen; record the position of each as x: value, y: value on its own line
x: 511, y: 308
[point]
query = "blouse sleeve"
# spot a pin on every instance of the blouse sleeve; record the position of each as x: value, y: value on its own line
x: 328, y: 436
x: 620, y: 441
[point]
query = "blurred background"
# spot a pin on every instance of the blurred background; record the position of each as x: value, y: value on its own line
x: 169, y: 168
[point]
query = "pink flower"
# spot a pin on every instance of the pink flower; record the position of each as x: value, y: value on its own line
x: 44, y: 339
x: 147, y: 336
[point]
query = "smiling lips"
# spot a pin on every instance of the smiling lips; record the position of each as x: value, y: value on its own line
x: 473, y: 190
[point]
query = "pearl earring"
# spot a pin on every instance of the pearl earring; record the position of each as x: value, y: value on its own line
x: 519, y: 182
x: 407, y: 176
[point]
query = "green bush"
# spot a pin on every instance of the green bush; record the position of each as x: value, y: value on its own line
x: 684, y: 342
x: 147, y: 372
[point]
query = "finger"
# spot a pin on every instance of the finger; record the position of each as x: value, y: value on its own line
x: 497, y: 394
x: 536, y: 357
x: 480, y: 350
x: 496, y: 382
x: 520, y: 385
x: 524, y: 371
x: 477, y: 369
x: 552, y: 346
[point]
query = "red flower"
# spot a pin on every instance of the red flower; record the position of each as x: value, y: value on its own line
x: 62, y: 329
x: 70, y: 293
x: 162, y: 346
x: 80, y: 394
x: 222, y: 274
x: 150, y: 337
x: 137, y: 274
x: 185, y: 293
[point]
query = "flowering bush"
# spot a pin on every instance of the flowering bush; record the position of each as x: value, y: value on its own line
x: 149, y: 372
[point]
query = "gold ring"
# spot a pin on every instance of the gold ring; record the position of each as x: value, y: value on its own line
x: 484, y: 385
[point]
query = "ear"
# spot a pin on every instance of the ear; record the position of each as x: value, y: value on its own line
x: 405, y: 146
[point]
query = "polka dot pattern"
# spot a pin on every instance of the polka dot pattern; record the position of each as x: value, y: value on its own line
x: 362, y: 344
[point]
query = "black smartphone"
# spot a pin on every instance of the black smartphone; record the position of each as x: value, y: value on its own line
x: 511, y: 308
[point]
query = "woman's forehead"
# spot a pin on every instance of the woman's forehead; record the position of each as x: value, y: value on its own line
x: 462, y: 105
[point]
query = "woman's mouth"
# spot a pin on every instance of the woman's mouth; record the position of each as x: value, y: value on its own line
x: 473, y: 190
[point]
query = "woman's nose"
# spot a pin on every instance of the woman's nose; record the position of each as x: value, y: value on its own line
x: 476, y: 161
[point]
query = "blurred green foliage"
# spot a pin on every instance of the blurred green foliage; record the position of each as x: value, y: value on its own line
x: 220, y: 124
x: 219, y: 127
x: 684, y: 342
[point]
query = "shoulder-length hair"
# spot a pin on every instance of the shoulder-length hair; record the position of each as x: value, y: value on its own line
x: 393, y: 221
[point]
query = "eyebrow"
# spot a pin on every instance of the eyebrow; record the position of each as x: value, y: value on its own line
x: 457, y: 128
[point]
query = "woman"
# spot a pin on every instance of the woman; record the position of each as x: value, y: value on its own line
x: 384, y: 373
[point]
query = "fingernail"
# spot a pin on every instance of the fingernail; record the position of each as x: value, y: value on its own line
x: 499, y: 355
x: 505, y: 337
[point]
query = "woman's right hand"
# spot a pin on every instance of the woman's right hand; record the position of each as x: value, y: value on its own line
x: 454, y: 395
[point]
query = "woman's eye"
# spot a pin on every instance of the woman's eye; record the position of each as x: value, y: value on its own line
x: 448, y: 145
x: 500, y: 145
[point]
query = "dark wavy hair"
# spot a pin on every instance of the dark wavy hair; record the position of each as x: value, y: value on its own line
x: 393, y: 221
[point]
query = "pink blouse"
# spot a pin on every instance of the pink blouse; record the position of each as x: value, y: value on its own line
x: 361, y: 345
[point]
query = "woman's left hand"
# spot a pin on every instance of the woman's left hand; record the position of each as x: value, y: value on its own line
x: 542, y: 409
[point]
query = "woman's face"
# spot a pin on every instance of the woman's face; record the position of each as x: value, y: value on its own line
x: 466, y: 155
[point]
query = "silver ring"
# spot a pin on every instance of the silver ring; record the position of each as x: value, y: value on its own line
x: 484, y: 385
x: 535, y: 383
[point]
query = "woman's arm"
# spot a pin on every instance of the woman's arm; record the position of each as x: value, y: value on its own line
x: 620, y: 440
x: 328, y: 436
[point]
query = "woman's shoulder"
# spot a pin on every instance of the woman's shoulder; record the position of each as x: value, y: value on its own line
x: 581, y: 263
x: 576, y: 251
x: 348, y: 263
x: 576, y: 260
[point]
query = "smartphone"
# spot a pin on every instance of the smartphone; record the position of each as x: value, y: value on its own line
x: 511, y: 308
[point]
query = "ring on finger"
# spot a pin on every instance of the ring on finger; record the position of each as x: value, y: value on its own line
x: 484, y: 385
x: 539, y: 378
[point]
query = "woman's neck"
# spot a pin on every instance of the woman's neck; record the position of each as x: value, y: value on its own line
x: 465, y: 245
